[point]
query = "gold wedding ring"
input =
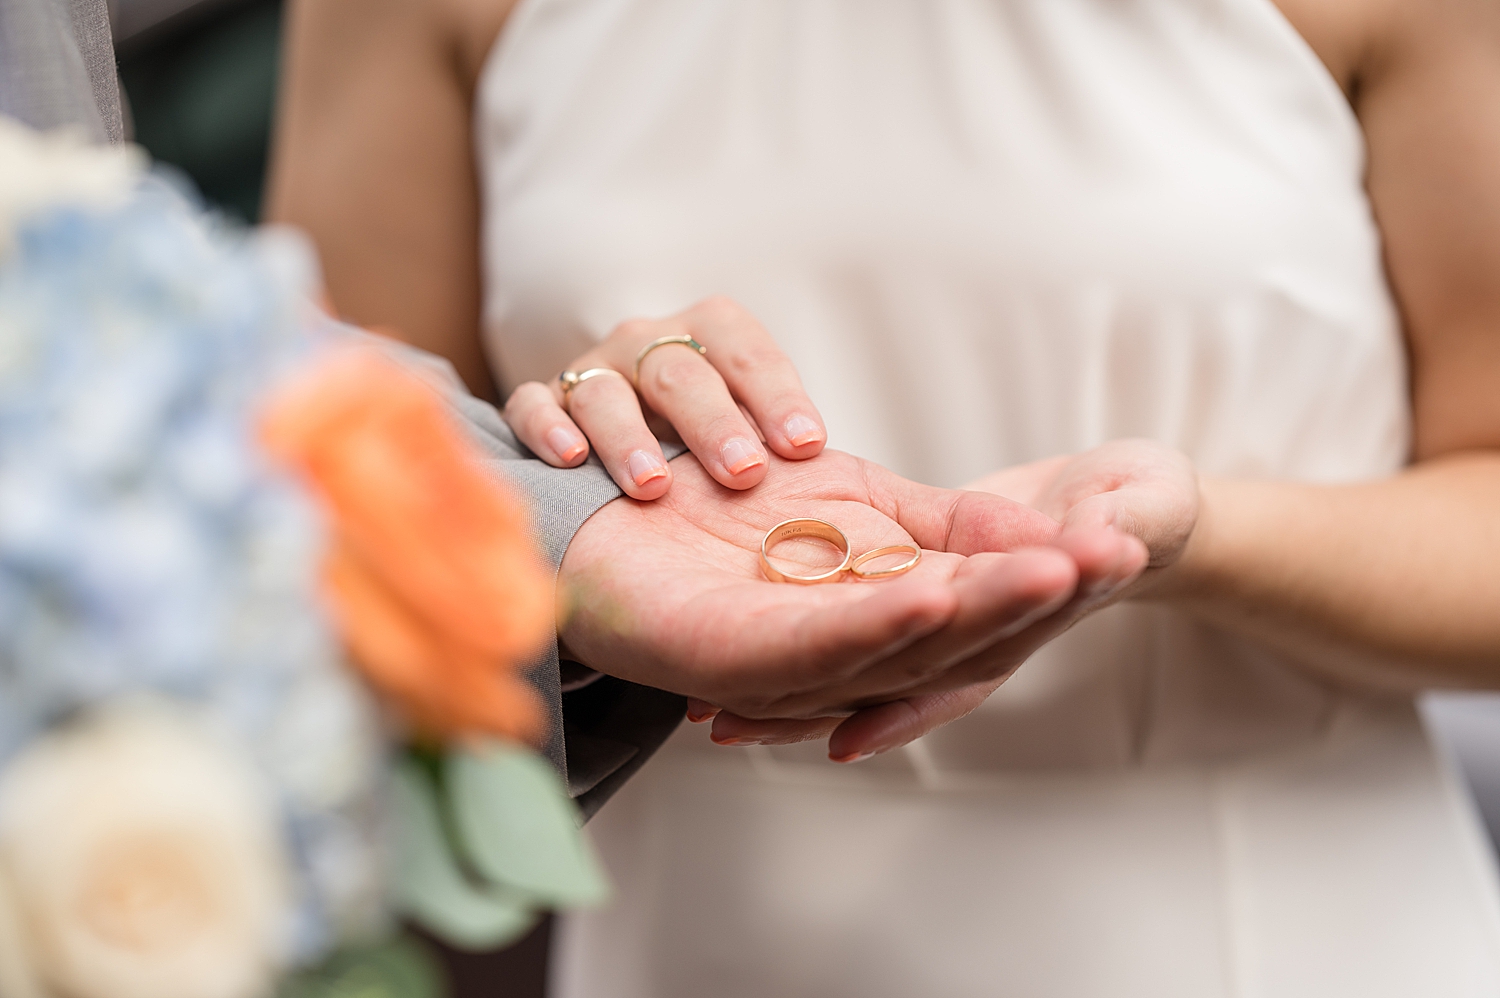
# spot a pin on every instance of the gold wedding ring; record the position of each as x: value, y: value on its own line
x: 803, y: 527
x: 807, y: 526
x: 572, y: 379
x: 687, y: 341
x: 886, y: 573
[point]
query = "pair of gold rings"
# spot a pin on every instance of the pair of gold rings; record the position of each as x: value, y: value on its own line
x: 572, y: 379
x: 807, y: 526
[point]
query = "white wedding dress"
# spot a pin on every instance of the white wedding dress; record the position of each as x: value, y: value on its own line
x: 990, y: 231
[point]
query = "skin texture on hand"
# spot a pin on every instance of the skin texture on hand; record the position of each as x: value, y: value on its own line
x: 728, y: 404
x: 1135, y: 487
x: 670, y: 593
x: 1142, y: 487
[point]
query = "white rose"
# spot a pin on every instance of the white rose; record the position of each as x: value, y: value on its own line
x: 142, y: 860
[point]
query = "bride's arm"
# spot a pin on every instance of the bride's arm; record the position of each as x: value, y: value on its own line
x: 1398, y: 582
x: 373, y: 157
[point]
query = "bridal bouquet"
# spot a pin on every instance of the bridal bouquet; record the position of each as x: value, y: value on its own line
x: 261, y: 619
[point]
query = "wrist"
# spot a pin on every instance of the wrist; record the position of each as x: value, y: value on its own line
x: 575, y: 586
x: 1199, y: 569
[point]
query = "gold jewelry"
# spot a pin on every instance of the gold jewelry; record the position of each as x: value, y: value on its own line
x: 572, y: 379
x: 687, y: 341
x: 886, y: 573
x: 803, y: 527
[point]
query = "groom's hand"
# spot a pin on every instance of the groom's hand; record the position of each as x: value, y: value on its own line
x: 670, y: 593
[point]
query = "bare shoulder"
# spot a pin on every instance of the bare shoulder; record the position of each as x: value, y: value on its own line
x: 1365, y: 41
x: 472, y: 26
x: 1424, y: 78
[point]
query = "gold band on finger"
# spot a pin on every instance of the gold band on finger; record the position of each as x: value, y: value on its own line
x: 687, y: 341
x: 886, y: 573
x: 572, y: 379
x: 803, y: 527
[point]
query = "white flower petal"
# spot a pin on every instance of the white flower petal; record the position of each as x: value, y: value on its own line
x: 145, y: 859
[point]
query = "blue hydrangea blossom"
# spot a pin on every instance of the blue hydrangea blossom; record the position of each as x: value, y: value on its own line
x: 147, y: 544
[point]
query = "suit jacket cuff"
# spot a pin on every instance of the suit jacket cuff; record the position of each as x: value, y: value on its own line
x: 602, y: 731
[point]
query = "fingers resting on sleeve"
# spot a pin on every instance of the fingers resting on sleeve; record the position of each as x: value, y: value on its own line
x: 712, y: 372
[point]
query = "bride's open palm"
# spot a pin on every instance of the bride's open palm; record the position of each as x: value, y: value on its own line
x: 711, y: 626
x: 1137, y: 488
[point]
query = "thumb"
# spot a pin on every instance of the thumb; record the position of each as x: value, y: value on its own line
x: 1157, y: 513
x: 957, y: 521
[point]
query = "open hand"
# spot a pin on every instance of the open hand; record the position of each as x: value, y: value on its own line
x: 1137, y: 487
x: 670, y: 593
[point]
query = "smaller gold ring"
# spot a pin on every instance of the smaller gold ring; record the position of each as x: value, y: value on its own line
x: 804, y: 526
x: 572, y: 379
x: 886, y: 573
x: 686, y: 341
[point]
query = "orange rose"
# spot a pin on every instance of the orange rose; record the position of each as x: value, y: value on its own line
x: 439, y: 590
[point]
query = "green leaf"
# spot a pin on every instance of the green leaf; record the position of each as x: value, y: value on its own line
x: 517, y: 826
x: 399, y: 969
x: 429, y: 885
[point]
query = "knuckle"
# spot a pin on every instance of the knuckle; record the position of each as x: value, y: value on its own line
x: 598, y: 395
x: 756, y: 359
x: 767, y: 705
x: 757, y: 711
x: 526, y: 396
x: 583, y: 398
x: 675, y: 375
x: 632, y: 330
x: 994, y: 672
x: 720, y: 308
x: 915, y: 671
x: 836, y: 668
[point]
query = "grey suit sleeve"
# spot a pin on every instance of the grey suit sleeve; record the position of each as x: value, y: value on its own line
x: 57, y: 66
x: 606, y: 728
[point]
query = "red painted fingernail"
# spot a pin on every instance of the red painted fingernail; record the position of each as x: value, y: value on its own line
x: 851, y: 757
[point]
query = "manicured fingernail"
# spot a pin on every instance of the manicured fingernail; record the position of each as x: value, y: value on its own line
x: 740, y: 454
x: 729, y: 741
x: 707, y: 715
x: 851, y: 757
x: 645, y: 466
x: 565, y: 443
x: 802, y: 430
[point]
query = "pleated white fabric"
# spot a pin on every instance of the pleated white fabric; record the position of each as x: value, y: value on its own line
x: 989, y: 231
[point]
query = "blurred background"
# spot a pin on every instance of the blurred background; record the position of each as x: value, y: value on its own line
x: 200, y: 82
